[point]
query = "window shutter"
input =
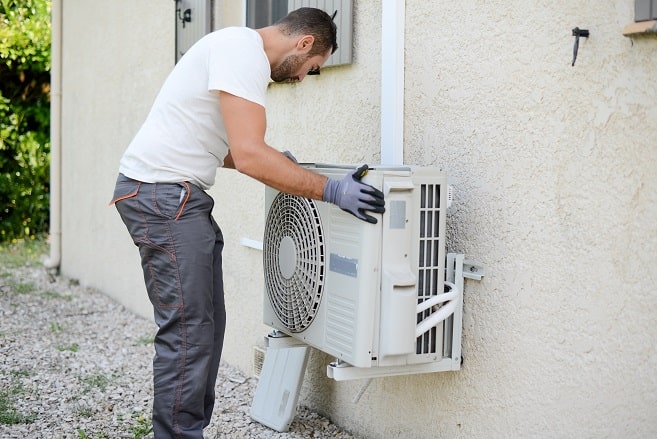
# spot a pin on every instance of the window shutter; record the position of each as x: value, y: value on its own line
x: 644, y: 9
x: 193, y: 21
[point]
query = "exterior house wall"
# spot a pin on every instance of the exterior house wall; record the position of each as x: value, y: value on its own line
x: 115, y: 57
x: 553, y: 167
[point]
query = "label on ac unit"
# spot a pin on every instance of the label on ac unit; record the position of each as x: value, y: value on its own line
x: 343, y: 265
x: 397, y: 209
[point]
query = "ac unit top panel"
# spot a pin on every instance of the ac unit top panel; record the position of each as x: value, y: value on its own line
x: 380, y: 168
x: 417, y: 172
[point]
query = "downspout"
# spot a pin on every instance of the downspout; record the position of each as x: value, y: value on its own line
x: 54, y: 259
x: 392, y: 81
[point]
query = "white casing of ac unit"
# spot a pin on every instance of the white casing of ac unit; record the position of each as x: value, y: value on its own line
x: 353, y: 289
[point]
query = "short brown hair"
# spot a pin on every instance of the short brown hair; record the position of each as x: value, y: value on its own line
x: 311, y: 21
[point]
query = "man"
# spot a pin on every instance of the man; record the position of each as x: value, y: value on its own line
x: 210, y: 113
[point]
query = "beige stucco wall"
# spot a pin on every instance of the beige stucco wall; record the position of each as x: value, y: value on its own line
x: 554, y: 175
x: 115, y: 56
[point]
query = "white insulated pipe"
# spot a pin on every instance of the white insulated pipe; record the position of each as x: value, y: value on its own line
x: 393, y: 19
x: 447, y: 309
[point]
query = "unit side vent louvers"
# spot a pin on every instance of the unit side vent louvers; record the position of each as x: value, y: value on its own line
x: 294, y: 260
x: 429, y: 266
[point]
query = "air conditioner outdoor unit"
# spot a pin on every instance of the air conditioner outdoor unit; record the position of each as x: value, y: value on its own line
x: 383, y: 299
x: 369, y: 295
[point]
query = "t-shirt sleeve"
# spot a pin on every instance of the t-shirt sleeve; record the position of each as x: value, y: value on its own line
x: 239, y: 66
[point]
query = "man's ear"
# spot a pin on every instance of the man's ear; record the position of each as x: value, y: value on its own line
x: 305, y: 43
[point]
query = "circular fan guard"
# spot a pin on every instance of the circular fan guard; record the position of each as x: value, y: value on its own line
x: 293, y: 252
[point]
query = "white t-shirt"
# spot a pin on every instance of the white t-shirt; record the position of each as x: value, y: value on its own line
x: 183, y: 137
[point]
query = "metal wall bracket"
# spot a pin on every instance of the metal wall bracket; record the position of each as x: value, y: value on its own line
x: 472, y: 269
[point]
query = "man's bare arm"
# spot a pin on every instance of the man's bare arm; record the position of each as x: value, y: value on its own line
x: 245, y: 124
x: 228, y: 161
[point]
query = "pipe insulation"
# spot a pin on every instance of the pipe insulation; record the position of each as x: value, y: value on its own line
x: 392, y: 81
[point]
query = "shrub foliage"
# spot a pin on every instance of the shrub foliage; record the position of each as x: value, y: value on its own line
x: 24, y: 117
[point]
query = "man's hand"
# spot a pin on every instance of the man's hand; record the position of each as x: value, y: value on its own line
x: 355, y: 197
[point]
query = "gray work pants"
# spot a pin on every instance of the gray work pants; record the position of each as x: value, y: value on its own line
x: 180, y: 246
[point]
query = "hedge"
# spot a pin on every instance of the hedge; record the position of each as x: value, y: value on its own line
x: 24, y: 118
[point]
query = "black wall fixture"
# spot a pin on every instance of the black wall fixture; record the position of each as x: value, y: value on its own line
x: 577, y: 32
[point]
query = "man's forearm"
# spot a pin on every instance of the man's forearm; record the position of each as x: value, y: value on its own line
x: 274, y: 169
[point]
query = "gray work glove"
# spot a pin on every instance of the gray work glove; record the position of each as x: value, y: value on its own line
x: 355, y: 197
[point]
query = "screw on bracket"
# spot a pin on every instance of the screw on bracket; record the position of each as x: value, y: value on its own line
x: 577, y: 32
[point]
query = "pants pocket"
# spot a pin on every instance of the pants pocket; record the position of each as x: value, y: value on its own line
x: 125, y: 188
x: 170, y: 198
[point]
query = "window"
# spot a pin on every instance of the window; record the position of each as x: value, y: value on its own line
x: 261, y: 13
x: 645, y: 10
x: 645, y: 19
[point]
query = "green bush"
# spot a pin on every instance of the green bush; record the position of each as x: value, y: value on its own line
x: 24, y: 118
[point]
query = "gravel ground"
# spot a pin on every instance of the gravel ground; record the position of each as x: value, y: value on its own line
x: 75, y: 364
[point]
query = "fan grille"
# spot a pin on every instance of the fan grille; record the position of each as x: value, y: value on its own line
x: 293, y: 251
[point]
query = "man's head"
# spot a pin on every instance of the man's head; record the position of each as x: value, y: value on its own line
x: 315, y: 36
x: 311, y: 21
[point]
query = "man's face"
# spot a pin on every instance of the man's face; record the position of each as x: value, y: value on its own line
x: 295, y: 67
